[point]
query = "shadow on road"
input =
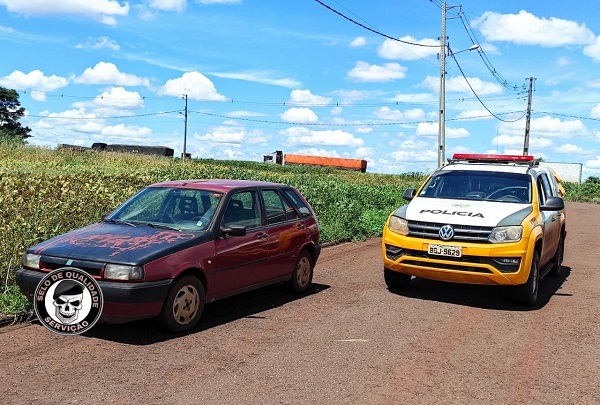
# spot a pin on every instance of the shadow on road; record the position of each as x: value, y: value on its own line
x: 246, y: 305
x: 482, y: 296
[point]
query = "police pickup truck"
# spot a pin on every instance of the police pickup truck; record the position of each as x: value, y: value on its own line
x: 480, y: 219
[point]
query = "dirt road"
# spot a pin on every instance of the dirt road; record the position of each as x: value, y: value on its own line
x: 351, y: 341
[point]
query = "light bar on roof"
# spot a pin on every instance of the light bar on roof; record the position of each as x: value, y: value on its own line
x: 481, y: 157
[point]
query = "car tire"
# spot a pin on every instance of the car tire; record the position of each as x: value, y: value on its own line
x: 526, y: 294
x: 184, y: 304
x: 558, y: 258
x: 395, y: 280
x: 303, y: 273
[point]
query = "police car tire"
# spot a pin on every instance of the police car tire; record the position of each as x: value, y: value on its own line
x: 395, y: 280
x: 526, y: 294
x: 558, y: 258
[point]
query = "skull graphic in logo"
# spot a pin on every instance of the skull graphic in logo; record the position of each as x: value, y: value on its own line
x: 68, y: 299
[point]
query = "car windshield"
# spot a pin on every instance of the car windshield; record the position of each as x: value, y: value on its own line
x: 479, y: 185
x: 169, y: 208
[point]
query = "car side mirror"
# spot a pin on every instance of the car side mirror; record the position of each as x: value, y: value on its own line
x: 104, y: 215
x: 409, y: 194
x: 234, y: 230
x: 553, y: 204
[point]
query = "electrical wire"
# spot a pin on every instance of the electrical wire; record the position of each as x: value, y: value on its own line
x: 373, y: 30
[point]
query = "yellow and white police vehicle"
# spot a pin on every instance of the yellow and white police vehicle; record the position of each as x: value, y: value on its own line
x: 480, y: 219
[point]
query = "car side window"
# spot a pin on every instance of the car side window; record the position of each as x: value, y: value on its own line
x: 542, y: 194
x: 277, y: 208
x: 243, y: 210
x: 546, y: 185
x: 297, y: 201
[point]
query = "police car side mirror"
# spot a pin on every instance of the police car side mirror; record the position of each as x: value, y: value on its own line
x: 409, y: 194
x: 553, y: 204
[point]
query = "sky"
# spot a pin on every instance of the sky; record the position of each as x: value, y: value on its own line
x: 340, y: 78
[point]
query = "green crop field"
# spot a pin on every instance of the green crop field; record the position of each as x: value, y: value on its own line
x: 44, y: 193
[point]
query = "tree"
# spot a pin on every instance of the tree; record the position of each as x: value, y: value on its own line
x: 10, y: 114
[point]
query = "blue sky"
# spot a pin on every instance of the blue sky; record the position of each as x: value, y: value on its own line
x: 265, y: 75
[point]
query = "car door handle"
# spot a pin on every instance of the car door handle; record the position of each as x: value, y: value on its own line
x: 262, y: 235
x: 300, y: 226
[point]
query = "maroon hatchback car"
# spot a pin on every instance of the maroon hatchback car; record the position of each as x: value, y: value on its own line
x: 176, y: 245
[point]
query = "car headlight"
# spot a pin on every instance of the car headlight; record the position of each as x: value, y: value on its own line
x: 503, y: 234
x: 31, y: 261
x: 398, y: 225
x: 123, y: 272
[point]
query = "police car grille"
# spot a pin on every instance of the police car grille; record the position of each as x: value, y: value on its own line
x: 430, y: 230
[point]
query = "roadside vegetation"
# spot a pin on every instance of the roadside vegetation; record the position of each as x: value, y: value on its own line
x: 46, y: 192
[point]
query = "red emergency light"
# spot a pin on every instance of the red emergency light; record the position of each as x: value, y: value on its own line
x: 481, y: 157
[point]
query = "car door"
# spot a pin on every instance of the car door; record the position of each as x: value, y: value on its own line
x: 286, y: 233
x: 551, y: 220
x: 240, y: 260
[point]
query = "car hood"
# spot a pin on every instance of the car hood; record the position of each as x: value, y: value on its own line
x: 465, y: 212
x: 119, y: 243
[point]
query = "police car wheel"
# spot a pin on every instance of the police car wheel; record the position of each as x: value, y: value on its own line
x: 526, y: 294
x: 558, y: 258
x: 395, y: 280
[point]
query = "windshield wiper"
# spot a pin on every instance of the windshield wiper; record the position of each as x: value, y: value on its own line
x: 163, y: 226
x: 118, y: 221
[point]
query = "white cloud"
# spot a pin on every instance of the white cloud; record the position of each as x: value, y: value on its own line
x: 108, y: 73
x: 38, y: 95
x: 527, y: 29
x: 595, y: 113
x: 458, y: 84
x: 365, y: 72
x: 99, y: 43
x: 432, y: 129
x: 593, y: 164
x: 34, y: 80
x: 386, y: 113
x: 305, y: 136
x: 232, y: 135
x: 413, y: 150
x: 358, y: 42
x: 516, y: 141
x: 337, y: 110
x: 473, y: 115
x: 545, y: 127
x: 168, y: 5
x: 395, y: 50
x: 593, y: 50
x: 115, y: 99
x: 103, y: 11
x: 300, y: 115
x: 127, y: 131
x: 414, y: 98
x: 364, y: 152
x: 305, y: 97
x: 569, y: 148
x: 195, y: 85
x: 259, y: 77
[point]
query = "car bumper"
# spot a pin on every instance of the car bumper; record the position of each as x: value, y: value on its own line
x: 478, y: 264
x: 123, y: 302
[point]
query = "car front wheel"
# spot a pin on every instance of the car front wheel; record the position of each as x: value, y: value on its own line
x: 184, y: 305
x: 395, y: 280
x: 303, y: 273
x: 527, y: 293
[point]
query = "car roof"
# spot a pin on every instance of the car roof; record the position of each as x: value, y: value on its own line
x: 219, y: 185
x: 486, y: 167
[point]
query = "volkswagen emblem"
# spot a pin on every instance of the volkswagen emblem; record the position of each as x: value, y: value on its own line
x: 446, y: 232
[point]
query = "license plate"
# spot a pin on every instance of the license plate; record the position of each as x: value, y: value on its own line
x: 445, y: 250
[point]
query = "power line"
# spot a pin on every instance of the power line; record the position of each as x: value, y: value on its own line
x: 566, y: 115
x: 373, y: 30
x: 103, y: 117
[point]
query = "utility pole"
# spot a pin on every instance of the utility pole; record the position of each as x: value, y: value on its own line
x: 185, y: 114
x: 442, y: 116
x: 527, y: 122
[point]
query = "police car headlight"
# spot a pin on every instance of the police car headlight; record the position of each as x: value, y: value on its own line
x: 398, y: 225
x: 122, y: 272
x: 503, y: 234
x: 31, y: 261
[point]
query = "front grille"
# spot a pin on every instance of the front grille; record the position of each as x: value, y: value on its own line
x: 464, y: 233
x: 53, y: 263
x: 463, y: 263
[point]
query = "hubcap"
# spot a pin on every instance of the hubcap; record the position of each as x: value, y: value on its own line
x: 303, y: 272
x: 185, y: 304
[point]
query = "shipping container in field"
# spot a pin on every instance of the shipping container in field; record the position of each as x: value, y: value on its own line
x: 340, y: 163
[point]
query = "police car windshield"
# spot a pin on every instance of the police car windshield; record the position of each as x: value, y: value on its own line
x: 475, y: 185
